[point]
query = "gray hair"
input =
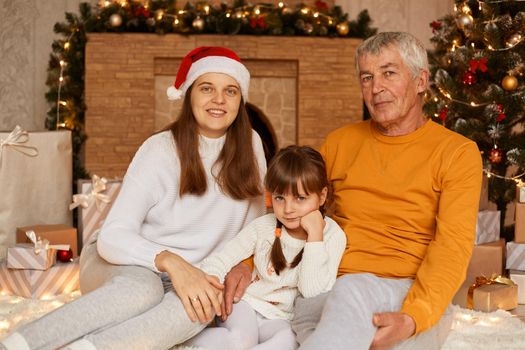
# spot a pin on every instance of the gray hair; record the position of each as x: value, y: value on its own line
x: 410, y: 49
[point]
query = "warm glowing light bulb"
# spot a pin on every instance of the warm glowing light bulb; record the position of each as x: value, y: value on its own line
x: 107, y: 3
x: 61, y: 79
x: 281, y: 4
x: 66, y: 45
x: 228, y: 15
x: 436, y: 99
x: 63, y: 103
x: 316, y: 14
x: 257, y: 10
x: 473, y: 104
x: 62, y: 63
x: 304, y: 10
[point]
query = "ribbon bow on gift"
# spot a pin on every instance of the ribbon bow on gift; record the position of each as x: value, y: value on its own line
x: 44, y: 244
x: 84, y: 200
x: 16, y: 140
x: 481, y: 281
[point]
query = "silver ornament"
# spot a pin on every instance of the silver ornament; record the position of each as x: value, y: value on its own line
x: 464, y: 21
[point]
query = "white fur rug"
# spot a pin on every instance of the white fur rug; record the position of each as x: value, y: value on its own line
x: 471, y: 330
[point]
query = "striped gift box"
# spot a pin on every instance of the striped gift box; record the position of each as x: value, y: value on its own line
x: 92, y: 217
x: 515, y: 256
x: 38, y: 284
x: 23, y: 256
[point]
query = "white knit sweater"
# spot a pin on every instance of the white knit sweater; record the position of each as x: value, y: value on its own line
x: 272, y: 295
x: 149, y: 216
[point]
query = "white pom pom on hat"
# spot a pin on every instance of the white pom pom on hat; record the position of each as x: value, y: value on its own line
x: 209, y: 59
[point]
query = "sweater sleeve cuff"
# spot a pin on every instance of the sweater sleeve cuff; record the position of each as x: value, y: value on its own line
x: 420, y: 313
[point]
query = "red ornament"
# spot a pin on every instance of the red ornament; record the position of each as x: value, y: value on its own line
x: 436, y: 25
x: 480, y: 63
x: 321, y: 5
x: 64, y: 255
x: 258, y: 22
x: 469, y: 78
x: 501, y: 116
x: 141, y: 11
x: 443, y: 114
x: 496, y: 155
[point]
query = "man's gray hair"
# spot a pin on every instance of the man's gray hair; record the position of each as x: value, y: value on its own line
x: 410, y: 49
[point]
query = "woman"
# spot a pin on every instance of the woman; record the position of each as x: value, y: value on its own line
x: 188, y: 191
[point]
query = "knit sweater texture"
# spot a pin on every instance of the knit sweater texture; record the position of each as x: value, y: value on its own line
x: 149, y: 216
x: 270, y: 294
x: 408, y: 205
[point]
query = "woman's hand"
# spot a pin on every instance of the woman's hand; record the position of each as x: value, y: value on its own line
x: 200, y: 293
x: 313, y: 223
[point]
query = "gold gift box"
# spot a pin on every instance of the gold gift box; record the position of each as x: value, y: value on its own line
x: 491, y: 297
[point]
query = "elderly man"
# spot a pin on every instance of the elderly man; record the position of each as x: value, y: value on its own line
x: 406, y: 193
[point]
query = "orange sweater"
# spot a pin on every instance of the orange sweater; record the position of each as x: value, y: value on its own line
x: 408, y: 205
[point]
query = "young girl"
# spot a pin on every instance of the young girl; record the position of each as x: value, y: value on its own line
x: 295, y: 251
x: 188, y: 191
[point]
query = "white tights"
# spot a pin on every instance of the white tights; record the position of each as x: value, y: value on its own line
x: 246, y: 329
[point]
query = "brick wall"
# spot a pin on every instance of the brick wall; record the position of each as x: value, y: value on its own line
x: 120, y: 86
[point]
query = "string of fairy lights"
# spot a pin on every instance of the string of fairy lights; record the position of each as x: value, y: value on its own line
x: 202, y: 9
x: 464, y: 20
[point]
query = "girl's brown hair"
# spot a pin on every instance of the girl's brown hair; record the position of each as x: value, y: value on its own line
x: 290, y: 166
x: 238, y: 176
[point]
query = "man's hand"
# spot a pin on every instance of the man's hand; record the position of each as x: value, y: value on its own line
x: 392, y: 327
x: 235, y: 284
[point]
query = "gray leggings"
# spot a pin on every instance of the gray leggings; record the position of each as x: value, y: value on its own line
x: 122, y: 307
x: 342, y: 318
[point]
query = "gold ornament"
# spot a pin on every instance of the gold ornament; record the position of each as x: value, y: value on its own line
x: 513, y: 40
x: 464, y: 21
x: 343, y: 28
x: 198, y: 24
x: 115, y: 20
x: 509, y: 83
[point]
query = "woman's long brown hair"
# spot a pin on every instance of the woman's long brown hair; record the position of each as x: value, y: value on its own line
x: 238, y: 176
x: 290, y: 166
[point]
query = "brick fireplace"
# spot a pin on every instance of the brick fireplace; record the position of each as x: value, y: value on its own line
x: 305, y: 87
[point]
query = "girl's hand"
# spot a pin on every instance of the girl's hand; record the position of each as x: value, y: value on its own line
x: 200, y: 293
x: 313, y: 223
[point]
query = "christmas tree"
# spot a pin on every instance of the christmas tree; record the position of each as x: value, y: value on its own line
x: 478, y: 88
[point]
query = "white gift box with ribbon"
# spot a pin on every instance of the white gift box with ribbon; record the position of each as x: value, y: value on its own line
x: 37, y: 284
x: 38, y: 255
x: 35, y: 181
x: 488, y: 226
x: 94, y: 201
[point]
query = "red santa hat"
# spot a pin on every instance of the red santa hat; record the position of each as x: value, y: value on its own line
x: 209, y: 59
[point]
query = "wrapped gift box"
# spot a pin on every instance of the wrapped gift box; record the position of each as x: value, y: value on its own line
x: 487, y: 227
x: 519, y: 278
x: 488, y: 297
x: 515, y: 256
x: 521, y: 194
x: 487, y: 259
x: 484, y: 195
x: 24, y: 256
x: 92, y: 216
x: 491, y: 297
x: 37, y: 284
x: 55, y: 234
x: 519, y: 228
x: 35, y: 181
